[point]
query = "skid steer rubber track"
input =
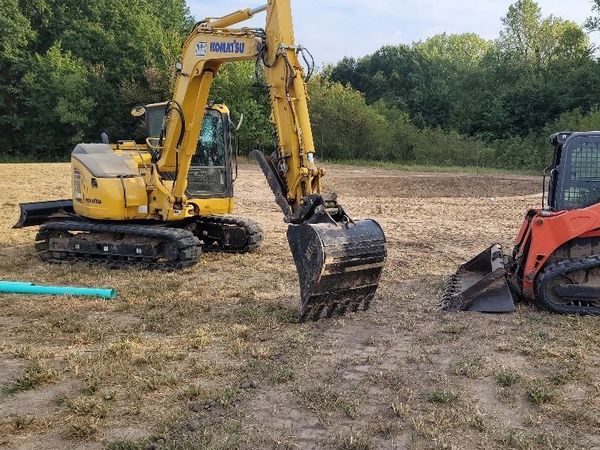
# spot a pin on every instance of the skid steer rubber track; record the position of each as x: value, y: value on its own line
x: 339, y: 265
x: 117, y: 246
x: 558, y: 289
x: 227, y: 234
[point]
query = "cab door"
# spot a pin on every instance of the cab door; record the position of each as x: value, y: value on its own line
x: 210, y: 174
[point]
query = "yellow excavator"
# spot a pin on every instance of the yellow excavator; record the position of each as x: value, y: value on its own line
x: 158, y: 204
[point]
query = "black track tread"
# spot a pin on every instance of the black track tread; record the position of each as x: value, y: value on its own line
x: 187, y: 243
x: 563, y: 267
x: 254, y: 234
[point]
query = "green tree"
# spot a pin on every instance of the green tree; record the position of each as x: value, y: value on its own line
x: 57, y: 93
x: 237, y: 87
x: 456, y: 50
x: 520, y: 35
x: 344, y: 126
x: 542, y: 59
x: 536, y: 43
x: 112, y: 54
x: 14, y: 39
x: 593, y: 22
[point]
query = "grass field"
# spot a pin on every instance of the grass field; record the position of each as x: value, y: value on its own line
x: 212, y: 357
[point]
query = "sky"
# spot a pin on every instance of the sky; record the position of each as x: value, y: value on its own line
x: 332, y: 29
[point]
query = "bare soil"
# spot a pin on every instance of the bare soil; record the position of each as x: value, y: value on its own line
x: 212, y: 356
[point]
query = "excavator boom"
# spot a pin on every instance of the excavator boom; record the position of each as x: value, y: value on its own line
x: 339, y: 260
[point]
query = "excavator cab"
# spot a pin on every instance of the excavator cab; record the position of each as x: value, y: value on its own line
x: 213, y: 167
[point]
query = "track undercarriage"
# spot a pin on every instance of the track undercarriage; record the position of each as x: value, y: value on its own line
x: 570, y: 282
x: 145, y: 246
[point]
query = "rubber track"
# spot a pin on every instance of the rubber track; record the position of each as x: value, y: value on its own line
x: 187, y: 244
x: 563, y: 267
x: 252, y: 229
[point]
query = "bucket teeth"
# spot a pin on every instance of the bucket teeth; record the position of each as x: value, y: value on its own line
x: 330, y: 310
x: 344, y: 307
x: 452, y: 302
x: 317, y: 310
x: 449, y: 302
x: 304, y: 314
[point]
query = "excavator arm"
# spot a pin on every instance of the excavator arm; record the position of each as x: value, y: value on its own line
x: 213, y: 43
x: 205, y: 50
x: 339, y: 260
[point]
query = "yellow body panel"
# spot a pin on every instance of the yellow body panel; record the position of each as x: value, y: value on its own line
x: 214, y: 206
x: 138, y: 196
x: 108, y: 198
x: 139, y: 153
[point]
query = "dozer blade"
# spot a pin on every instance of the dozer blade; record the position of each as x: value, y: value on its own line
x: 37, y: 213
x: 480, y: 285
x: 338, y: 265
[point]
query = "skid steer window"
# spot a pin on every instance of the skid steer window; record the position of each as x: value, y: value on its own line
x: 581, y: 174
x: 208, y: 174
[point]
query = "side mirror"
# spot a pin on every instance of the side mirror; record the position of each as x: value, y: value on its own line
x: 138, y: 111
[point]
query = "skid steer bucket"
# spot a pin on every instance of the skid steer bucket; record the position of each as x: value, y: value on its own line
x: 480, y: 285
x: 338, y: 265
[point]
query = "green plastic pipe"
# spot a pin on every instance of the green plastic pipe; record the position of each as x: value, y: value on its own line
x: 17, y: 287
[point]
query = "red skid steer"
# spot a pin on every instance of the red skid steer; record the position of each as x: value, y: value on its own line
x: 556, y: 258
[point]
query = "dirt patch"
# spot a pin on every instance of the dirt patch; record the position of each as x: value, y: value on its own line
x: 10, y: 368
x: 390, y: 183
x: 212, y: 357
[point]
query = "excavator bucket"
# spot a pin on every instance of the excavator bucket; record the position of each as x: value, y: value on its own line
x: 480, y: 285
x: 339, y: 265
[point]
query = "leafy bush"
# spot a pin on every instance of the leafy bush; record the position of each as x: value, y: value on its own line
x: 344, y: 126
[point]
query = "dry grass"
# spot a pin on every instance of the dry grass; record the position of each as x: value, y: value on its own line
x: 32, y: 376
x: 212, y: 357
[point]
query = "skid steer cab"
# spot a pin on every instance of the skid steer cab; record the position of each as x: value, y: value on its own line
x: 556, y: 257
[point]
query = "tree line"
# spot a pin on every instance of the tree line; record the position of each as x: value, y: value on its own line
x: 71, y: 69
x: 461, y: 99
